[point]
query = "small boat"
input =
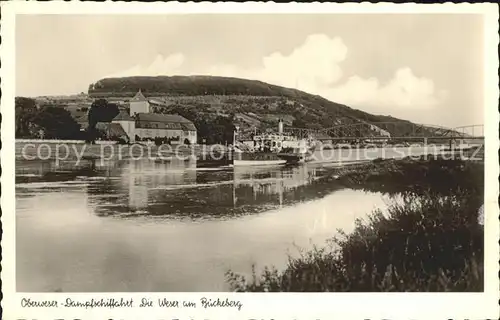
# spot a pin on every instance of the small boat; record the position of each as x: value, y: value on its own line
x: 90, y: 157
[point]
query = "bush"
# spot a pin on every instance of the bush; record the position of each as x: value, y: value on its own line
x: 435, y: 175
x: 121, y: 141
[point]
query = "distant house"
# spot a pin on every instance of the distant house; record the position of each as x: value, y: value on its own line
x: 380, y: 131
x: 157, y: 103
x: 112, y: 130
x: 83, y: 121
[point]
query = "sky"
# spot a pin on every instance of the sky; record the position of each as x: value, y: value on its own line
x: 427, y: 68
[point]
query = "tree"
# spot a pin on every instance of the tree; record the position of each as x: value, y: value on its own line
x: 299, y: 123
x: 45, y: 122
x: 100, y: 111
x: 25, y: 110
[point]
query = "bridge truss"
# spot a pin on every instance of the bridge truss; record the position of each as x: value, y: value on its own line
x: 390, y: 130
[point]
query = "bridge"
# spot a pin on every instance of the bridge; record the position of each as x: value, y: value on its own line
x: 394, y: 131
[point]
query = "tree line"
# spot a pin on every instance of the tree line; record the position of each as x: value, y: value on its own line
x: 55, y: 122
x: 47, y: 122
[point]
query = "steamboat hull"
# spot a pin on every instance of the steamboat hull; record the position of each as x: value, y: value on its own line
x: 258, y: 162
x: 292, y: 158
x: 257, y: 159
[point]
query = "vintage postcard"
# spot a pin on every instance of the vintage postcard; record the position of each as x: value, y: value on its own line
x: 249, y: 161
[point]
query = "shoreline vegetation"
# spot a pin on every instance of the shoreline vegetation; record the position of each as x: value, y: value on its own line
x: 78, y: 149
x: 430, y: 239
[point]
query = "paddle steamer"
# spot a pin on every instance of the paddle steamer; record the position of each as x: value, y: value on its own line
x: 271, y: 149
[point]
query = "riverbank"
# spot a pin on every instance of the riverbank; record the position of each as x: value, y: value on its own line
x: 77, y: 150
x: 420, y: 176
x: 429, y: 239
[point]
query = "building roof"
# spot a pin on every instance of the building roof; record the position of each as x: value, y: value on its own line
x: 188, y: 126
x: 112, y: 129
x: 184, y: 123
x: 77, y: 112
x: 139, y: 97
x: 83, y: 121
x: 84, y: 118
x: 123, y: 116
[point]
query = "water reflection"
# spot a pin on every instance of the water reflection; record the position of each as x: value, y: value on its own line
x: 182, y: 190
x: 261, y: 185
x: 172, y: 189
x: 168, y: 226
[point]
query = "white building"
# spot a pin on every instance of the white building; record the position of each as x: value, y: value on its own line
x: 143, y: 124
x: 151, y: 125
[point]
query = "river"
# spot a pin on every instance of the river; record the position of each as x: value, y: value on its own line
x: 144, y: 225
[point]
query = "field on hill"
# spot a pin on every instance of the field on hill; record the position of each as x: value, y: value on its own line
x: 254, y: 104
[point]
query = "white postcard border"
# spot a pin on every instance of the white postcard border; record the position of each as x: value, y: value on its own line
x: 263, y: 305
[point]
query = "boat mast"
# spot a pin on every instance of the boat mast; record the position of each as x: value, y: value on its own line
x: 236, y: 129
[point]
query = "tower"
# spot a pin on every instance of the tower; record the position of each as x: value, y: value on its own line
x: 139, y: 104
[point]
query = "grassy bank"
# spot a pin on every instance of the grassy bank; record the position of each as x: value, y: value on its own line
x: 420, y: 177
x: 429, y: 239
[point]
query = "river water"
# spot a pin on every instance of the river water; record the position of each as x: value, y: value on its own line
x: 143, y: 225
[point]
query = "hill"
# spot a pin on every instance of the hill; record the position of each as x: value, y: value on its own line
x: 252, y: 104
